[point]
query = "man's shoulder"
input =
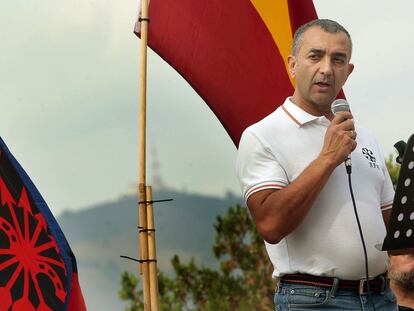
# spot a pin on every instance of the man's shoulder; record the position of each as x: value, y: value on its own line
x: 366, y: 134
x: 270, y: 123
x: 363, y: 130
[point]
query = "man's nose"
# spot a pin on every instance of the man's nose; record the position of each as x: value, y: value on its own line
x: 326, y: 66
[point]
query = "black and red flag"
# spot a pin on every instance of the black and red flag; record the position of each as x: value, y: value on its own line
x: 37, y: 267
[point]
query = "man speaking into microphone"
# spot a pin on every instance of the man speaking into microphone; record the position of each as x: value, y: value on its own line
x: 291, y: 169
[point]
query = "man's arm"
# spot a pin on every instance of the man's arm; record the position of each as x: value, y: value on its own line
x: 386, y: 215
x: 276, y: 213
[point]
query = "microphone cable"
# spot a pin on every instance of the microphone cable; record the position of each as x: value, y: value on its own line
x: 348, y: 170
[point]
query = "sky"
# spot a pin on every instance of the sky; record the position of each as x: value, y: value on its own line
x: 69, y: 94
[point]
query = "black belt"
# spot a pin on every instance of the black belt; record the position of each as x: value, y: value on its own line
x: 377, y: 285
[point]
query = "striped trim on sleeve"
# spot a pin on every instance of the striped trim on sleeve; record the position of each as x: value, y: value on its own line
x: 386, y: 207
x: 263, y: 187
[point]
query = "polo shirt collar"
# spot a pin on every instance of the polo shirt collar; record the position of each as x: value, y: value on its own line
x: 297, y: 114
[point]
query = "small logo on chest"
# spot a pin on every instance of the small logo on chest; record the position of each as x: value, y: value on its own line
x: 369, y: 155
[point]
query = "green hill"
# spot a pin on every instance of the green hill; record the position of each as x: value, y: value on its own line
x: 100, y: 234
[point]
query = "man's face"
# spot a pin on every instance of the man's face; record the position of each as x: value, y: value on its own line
x: 401, y: 271
x: 320, y: 68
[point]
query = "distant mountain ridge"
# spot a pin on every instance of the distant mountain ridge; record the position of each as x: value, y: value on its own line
x: 100, y: 234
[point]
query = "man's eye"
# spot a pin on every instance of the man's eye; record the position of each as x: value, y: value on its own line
x: 339, y: 60
x: 314, y: 56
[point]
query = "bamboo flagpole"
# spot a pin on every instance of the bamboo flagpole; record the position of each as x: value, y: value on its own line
x: 152, y: 252
x: 144, y: 263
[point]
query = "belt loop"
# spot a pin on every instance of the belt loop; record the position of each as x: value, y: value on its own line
x: 383, y: 283
x: 277, y: 284
x: 334, y: 287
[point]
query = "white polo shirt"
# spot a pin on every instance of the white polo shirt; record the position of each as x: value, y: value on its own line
x: 275, y: 151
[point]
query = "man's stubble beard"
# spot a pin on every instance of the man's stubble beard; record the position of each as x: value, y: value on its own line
x: 404, y: 280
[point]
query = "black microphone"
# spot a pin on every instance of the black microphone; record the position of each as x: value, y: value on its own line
x: 339, y: 105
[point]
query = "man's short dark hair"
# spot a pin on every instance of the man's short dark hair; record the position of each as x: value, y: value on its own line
x: 326, y: 24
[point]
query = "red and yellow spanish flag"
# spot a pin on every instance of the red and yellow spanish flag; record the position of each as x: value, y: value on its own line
x: 232, y: 52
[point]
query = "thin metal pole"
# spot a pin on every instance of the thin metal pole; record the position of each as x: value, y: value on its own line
x: 142, y: 160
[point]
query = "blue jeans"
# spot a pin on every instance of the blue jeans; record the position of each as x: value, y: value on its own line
x: 297, y: 297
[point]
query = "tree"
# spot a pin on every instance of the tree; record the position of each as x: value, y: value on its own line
x: 242, y: 281
x: 393, y: 169
x: 129, y: 293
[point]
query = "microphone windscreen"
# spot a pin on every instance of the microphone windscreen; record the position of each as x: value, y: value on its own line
x: 339, y: 105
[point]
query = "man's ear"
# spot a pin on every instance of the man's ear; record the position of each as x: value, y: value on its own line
x: 292, y: 65
x: 350, y: 68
